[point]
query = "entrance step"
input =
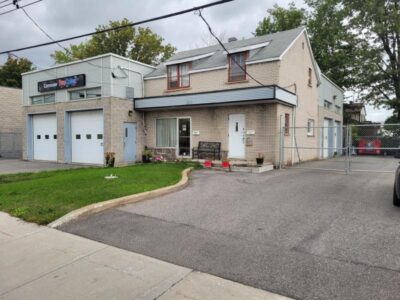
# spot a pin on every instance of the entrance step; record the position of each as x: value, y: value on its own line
x: 239, y: 166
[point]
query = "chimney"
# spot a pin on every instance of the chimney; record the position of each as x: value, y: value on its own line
x: 232, y: 39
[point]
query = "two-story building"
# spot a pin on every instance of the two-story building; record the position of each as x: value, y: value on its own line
x: 330, y: 108
x: 247, y: 98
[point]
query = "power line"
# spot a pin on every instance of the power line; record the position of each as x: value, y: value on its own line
x: 118, y: 27
x: 8, y: 11
x: 42, y: 30
x: 223, y: 47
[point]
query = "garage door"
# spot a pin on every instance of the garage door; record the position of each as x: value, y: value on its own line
x: 87, y: 137
x: 45, y: 137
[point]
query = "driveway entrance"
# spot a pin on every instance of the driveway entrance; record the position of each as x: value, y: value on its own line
x: 306, y: 234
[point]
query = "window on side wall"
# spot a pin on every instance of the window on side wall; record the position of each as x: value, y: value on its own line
x: 43, y: 99
x: 178, y: 76
x: 237, y: 67
x: 309, y: 77
x: 166, y: 133
x: 85, y: 94
x: 287, y: 124
x: 310, y: 127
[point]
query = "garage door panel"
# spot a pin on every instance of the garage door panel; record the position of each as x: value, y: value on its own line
x: 45, y: 137
x: 87, y: 137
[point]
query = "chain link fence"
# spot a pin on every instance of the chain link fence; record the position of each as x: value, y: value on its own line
x: 354, y: 148
x: 11, y: 144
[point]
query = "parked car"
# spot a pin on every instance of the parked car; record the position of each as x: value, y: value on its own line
x: 396, y: 189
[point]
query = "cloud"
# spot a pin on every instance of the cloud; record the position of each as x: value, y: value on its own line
x: 64, y: 18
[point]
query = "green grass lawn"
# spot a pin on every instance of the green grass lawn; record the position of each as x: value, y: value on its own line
x: 46, y: 196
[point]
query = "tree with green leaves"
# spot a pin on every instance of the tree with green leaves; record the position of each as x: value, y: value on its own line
x: 332, y: 41
x: 10, y: 72
x: 140, y: 44
x: 280, y: 19
x: 376, y: 24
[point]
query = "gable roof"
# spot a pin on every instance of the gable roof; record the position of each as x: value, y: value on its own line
x: 262, y: 48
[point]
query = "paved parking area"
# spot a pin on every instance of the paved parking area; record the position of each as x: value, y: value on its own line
x: 306, y: 234
x: 9, y: 166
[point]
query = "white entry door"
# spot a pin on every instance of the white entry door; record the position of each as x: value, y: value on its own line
x: 87, y: 137
x: 45, y: 137
x: 237, y: 136
x: 326, y: 131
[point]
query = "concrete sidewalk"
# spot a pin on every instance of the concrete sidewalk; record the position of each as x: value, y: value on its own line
x: 37, y: 262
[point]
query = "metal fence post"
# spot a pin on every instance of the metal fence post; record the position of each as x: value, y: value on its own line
x: 346, y: 147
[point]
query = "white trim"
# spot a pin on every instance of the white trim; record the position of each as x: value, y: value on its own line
x: 291, y: 44
x: 177, y: 135
x: 247, y: 48
x: 191, y: 58
x: 262, y: 60
x: 89, y: 59
x: 208, y: 69
x: 155, y: 77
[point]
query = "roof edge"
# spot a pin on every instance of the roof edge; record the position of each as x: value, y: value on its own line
x: 89, y: 59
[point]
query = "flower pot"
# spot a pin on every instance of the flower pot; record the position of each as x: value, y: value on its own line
x: 260, y: 161
x: 146, y: 159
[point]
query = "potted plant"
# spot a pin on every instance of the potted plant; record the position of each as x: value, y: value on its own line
x: 110, y: 159
x: 146, y: 155
x: 260, y: 159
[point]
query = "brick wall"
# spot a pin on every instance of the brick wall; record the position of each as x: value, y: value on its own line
x: 11, y: 118
x: 116, y: 112
x: 267, y: 73
x: 213, y: 125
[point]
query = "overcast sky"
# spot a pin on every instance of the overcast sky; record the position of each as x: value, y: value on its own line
x: 63, y: 18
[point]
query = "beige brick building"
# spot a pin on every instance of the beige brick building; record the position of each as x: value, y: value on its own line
x: 247, y: 98
x: 11, y: 122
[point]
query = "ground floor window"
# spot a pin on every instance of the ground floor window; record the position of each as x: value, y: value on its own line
x: 287, y: 124
x: 174, y: 133
x: 310, y: 127
x: 166, y: 133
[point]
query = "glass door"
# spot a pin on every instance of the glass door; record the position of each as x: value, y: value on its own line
x: 184, y: 137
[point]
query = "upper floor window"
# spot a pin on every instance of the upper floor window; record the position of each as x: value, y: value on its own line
x: 85, y: 94
x: 178, y: 76
x: 43, y: 99
x: 309, y: 77
x: 237, y: 66
x: 338, y: 109
x: 327, y: 104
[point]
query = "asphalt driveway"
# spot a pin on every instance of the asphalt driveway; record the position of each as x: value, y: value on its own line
x: 9, y: 166
x: 305, y: 234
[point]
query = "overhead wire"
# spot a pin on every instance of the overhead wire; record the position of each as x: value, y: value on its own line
x: 198, y: 12
x: 118, y: 27
x: 11, y: 10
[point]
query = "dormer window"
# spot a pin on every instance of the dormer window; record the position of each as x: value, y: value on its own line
x: 178, y: 76
x: 237, y: 66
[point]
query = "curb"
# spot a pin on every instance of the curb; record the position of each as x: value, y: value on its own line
x: 100, y: 206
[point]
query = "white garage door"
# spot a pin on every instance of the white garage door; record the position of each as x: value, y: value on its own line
x: 45, y: 137
x: 87, y: 137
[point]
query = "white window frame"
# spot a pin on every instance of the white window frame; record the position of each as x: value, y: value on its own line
x: 85, y: 92
x: 310, y: 127
x: 42, y: 99
x: 177, y: 135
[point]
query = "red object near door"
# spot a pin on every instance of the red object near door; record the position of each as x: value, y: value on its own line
x: 225, y: 164
x: 208, y: 164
